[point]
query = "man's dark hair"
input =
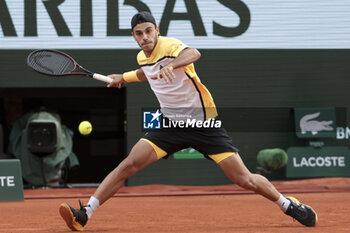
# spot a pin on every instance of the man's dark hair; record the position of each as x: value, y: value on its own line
x: 142, y: 17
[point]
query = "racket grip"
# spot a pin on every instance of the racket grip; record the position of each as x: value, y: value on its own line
x: 102, y: 78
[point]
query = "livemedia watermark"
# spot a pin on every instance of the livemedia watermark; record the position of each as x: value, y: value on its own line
x: 177, y: 120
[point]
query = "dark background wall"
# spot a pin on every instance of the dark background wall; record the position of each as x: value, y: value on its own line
x: 247, y: 85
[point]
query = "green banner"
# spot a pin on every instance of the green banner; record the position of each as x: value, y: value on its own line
x: 315, y: 122
x: 11, y: 184
x: 318, y: 162
x: 188, y: 153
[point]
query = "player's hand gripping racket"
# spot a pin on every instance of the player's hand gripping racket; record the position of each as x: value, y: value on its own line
x: 56, y: 63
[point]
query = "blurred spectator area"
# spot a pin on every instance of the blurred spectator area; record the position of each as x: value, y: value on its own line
x: 99, y: 152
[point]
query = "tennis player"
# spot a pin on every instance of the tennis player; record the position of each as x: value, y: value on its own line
x: 167, y: 64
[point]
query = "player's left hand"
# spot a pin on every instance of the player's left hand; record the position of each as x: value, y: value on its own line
x: 165, y: 73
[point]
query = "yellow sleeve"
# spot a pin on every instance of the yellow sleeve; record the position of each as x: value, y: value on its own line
x: 175, y: 47
x: 131, y: 76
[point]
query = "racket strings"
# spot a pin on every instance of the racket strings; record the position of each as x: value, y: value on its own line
x: 51, y: 63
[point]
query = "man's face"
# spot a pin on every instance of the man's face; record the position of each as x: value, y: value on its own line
x: 146, y: 35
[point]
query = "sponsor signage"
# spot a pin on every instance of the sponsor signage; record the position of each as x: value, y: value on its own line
x: 11, y: 184
x: 105, y: 24
x: 343, y: 133
x: 315, y: 122
x: 318, y: 162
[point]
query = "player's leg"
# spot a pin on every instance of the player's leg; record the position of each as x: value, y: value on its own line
x: 141, y: 155
x: 237, y: 172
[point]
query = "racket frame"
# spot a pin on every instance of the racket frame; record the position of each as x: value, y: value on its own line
x: 85, y: 72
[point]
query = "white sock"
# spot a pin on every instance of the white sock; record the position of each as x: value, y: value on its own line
x: 283, y: 203
x: 92, y: 206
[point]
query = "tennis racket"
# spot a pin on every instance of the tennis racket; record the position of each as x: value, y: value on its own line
x: 56, y: 63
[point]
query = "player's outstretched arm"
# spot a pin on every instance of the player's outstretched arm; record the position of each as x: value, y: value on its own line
x: 141, y: 75
x: 185, y: 57
x: 117, y: 80
x: 132, y: 76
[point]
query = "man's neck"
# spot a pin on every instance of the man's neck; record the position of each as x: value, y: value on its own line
x: 148, y: 54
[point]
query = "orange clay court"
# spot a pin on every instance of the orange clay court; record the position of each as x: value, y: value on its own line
x: 163, y: 208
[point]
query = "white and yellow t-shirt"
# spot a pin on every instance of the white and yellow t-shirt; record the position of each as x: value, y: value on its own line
x: 186, y: 95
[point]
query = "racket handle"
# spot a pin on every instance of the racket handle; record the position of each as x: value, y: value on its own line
x: 102, y: 78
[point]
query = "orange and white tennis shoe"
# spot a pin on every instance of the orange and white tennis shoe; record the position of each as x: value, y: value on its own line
x: 75, y: 219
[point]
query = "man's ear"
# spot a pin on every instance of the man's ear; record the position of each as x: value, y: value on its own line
x: 157, y: 29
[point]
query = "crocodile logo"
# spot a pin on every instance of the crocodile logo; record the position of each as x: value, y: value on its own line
x: 308, y: 124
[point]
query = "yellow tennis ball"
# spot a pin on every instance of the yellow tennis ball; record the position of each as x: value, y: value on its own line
x: 85, y: 127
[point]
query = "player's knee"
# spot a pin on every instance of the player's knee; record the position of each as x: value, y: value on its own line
x: 247, y: 181
x: 128, y: 167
